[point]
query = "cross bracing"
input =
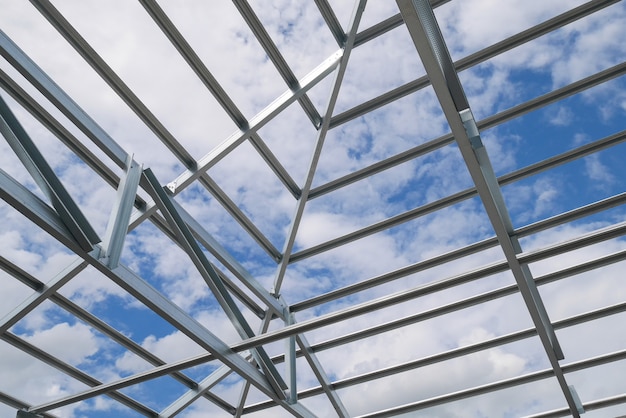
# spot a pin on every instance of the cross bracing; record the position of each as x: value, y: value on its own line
x: 313, y: 209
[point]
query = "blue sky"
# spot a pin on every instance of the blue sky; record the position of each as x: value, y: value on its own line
x: 140, y: 54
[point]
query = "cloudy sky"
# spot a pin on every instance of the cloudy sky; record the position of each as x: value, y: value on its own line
x: 127, y: 38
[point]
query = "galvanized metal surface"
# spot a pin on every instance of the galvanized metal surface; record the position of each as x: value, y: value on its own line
x: 245, y: 297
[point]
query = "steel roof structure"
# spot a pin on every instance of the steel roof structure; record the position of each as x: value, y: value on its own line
x: 294, y: 311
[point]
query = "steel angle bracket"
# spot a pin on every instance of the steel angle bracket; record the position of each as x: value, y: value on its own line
x: 117, y: 227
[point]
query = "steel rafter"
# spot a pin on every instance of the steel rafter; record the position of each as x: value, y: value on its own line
x: 411, y: 294
x: 422, y: 25
x: 244, y: 293
x: 471, y: 60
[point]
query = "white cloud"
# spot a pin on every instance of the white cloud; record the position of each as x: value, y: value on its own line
x: 562, y: 117
x: 144, y: 59
x: 55, y: 341
x: 35, y: 382
x: 542, y: 193
x: 598, y: 172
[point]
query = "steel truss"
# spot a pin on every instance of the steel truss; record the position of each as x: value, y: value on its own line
x: 142, y: 197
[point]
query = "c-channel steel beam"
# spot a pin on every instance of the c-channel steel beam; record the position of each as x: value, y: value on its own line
x: 203, y: 73
x: 36, y: 210
x: 424, y: 30
x: 460, y: 196
x: 85, y: 316
x: 323, y: 130
x: 21, y: 275
x: 325, y: 384
x: 473, y: 59
x: 191, y: 57
x: 238, y: 215
x: 386, y: 25
x: 44, y: 292
x: 42, y: 215
x: 224, y: 257
x: 192, y: 395
x: 38, y: 78
x: 243, y: 396
x: 393, y: 299
x: 268, y: 156
x: 58, y: 130
x: 589, y: 406
x: 81, y: 46
x: 73, y: 372
x: 210, y: 276
x: 119, y: 220
x: 489, y: 122
x: 238, y: 292
x: 276, y: 57
x: 419, y: 291
x: 26, y: 414
x: 290, y: 363
x: 450, y: 354
x: 499, y: 385
x: 16, y: 403
x: 245, y: 389
x: 331, y: 21
x: 257, y: 122
x: 46, y: 179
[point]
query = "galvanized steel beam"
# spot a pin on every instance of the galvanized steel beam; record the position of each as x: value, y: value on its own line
x: 277, y: 58
x: 38, y: 78
x: 46, y: 179
x: 471, y: 60
x: 81, y: 46
x: 210, y: 276
x: 323, y: 130
x: 257, y: 122
x: 119, y: 220
x: 423, y: 28
x: 73, y: 372
x: 462, y: 195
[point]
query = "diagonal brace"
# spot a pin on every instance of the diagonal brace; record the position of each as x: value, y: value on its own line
x: 46, y: 179
x: 210, y: 276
